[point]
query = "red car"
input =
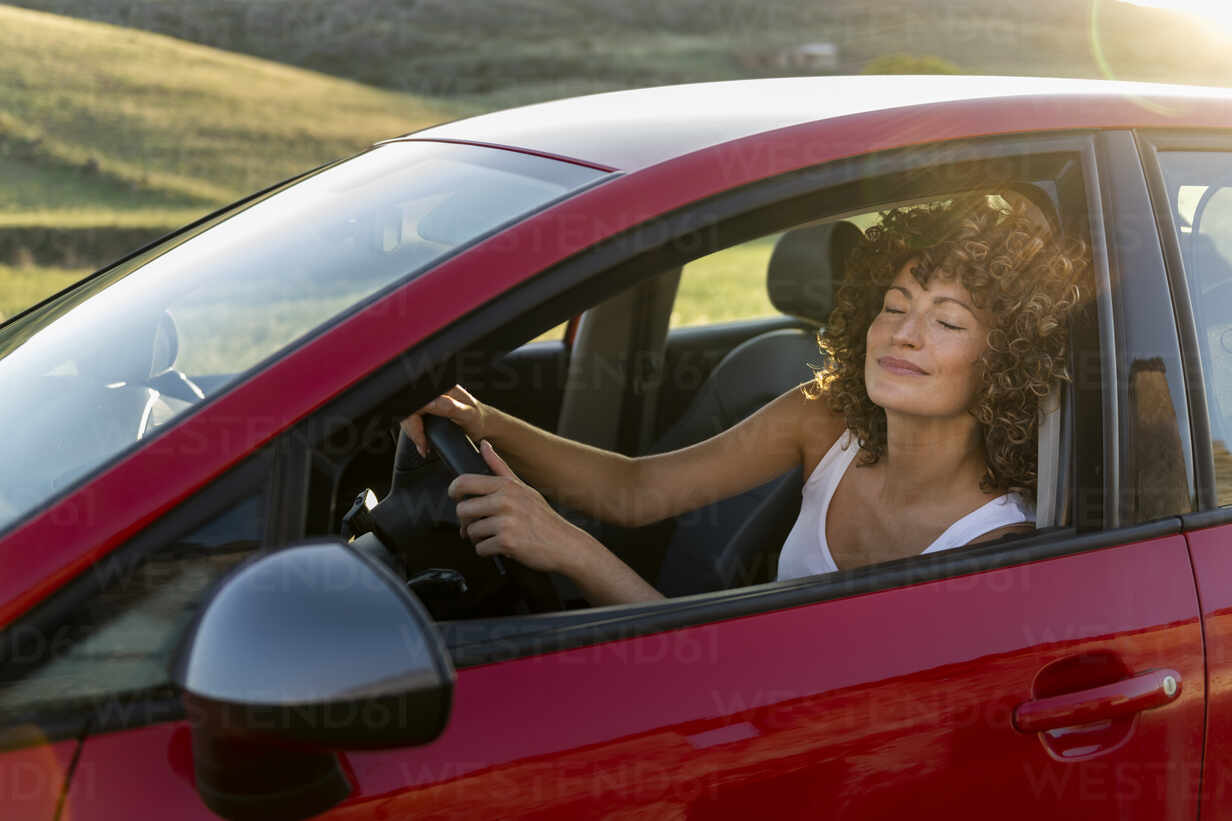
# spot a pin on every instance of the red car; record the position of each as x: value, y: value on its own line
x: 230, y: 588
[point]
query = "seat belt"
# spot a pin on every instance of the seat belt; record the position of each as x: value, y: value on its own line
x: 648, y: 355
x: 616, y: 366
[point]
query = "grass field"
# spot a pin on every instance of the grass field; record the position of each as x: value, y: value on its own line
x: 22, y: 287
x: 97, y: 120
x: 726, y: 285
x: 104, y: 126
x: 492, y: 53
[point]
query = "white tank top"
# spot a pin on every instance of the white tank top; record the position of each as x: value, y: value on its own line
x: 805, y: 553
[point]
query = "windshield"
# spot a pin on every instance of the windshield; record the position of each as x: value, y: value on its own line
x: 101, y: 366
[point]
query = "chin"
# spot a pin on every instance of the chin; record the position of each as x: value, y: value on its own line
x: 893, y: 397
x: 919, y: 402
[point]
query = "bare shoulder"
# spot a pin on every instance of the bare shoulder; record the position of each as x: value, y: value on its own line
x: 817, y: 426
x: 792, y: 416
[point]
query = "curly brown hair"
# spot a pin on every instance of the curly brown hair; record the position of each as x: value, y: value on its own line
x: 1014, y: 268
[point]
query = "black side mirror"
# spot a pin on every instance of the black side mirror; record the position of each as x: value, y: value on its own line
x: 300, y: 652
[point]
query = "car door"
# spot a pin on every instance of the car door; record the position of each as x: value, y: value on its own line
x: 1192, y: 184
x: 861, y: 706
x: 1061, y: 674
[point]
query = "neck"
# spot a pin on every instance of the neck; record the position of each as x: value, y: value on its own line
x: 926, y: 459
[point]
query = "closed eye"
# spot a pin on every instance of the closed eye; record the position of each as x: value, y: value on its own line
x: 945, y: 324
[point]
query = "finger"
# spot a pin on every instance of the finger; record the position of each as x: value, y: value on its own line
x: 474, y: 484
x: 464, y: 527
x: 449, y: 407
x: 442, y: 405
x: 490, y: 546
x: 477, y: 507
x: 461, y: 394
x: 412, y: 426
x: 484, y: 528
x: 498, y: 465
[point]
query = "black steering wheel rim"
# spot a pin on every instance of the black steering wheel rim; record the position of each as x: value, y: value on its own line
x: 536, y: 586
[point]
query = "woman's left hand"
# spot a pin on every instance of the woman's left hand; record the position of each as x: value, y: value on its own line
x: 503, y: 515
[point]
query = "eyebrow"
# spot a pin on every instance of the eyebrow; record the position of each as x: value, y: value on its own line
x: 936, y: 299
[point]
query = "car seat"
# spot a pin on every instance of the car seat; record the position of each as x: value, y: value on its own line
x: 736, y: 541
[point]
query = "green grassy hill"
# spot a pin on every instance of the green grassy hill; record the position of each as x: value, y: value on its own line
x: 495, y: 53
x: 106, y: 125
x: 109, y: 137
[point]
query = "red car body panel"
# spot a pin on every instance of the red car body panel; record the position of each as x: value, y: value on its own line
x: 909, y: 707
x: 47, y: 550
x: 141, y: 773
x: 1211, y: 550
x: 32, y: 780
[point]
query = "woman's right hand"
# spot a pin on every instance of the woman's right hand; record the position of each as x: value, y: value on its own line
x: 457, y: 405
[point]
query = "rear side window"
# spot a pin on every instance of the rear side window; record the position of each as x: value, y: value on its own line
x: 725, y: 286
x: 731, y: 284
x: 1199, y: 185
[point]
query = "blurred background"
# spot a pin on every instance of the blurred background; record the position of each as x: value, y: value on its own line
x: 123, y: 119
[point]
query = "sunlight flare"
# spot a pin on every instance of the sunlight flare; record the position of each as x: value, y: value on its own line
x: 1215, y: 11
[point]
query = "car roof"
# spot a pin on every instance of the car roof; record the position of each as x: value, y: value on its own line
x: 629, y: 130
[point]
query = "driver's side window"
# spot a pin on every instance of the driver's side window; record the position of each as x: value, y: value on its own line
x: 755, y: 349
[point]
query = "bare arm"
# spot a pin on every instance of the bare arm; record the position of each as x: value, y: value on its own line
x: 638, y: 491
x: 768, y: 443
x: 501, y: 514
x: 585, y: 478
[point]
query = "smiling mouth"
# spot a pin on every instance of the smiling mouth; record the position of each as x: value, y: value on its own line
x: 902, y: 366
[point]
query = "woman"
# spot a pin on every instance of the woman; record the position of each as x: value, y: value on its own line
x: 950, y: 329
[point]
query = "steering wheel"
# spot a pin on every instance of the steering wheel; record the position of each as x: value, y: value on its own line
x: 460, y: 456
x: 164, y: 377
x: 174, y: 384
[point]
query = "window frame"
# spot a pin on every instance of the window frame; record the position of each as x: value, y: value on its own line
x: 1151, y: 143
x: 1139, y: 282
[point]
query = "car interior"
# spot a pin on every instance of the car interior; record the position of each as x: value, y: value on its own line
x: 625, y: 379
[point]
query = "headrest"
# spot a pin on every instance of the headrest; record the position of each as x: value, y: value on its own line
x: 806, y: 268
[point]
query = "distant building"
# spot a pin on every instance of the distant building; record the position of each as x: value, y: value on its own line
x: 813, y: 56
x: 806, y: 58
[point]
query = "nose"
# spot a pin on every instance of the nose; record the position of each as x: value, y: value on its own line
x: 907, y: 331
